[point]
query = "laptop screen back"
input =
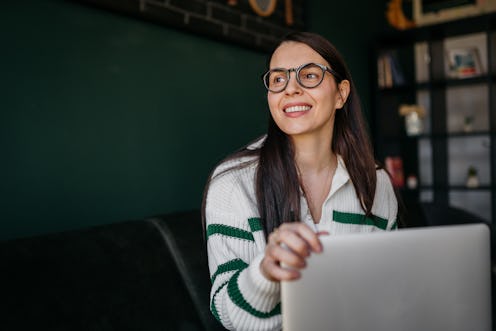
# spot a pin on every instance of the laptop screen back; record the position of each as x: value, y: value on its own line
x: 435, y: 278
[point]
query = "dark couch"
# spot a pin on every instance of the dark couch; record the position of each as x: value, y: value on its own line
x: 137, y: 275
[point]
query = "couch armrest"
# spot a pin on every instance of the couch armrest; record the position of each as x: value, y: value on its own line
x: 183, y: 234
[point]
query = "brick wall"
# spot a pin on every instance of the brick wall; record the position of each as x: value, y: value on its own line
x: 238, y: 23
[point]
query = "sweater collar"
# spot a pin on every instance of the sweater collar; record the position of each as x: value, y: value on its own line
x: 341, y: 176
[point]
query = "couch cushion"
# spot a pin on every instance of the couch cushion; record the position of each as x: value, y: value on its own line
x: 120, y: 276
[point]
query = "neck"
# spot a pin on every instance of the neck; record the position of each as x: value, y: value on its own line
x: 316, y: 164
x: 313, y: 155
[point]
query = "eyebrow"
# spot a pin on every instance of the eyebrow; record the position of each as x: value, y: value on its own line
x: 298, y: 66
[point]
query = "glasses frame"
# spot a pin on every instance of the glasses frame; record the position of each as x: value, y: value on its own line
x: 297, y: 72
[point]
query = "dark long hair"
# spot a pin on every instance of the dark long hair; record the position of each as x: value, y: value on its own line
x: 277, y: 184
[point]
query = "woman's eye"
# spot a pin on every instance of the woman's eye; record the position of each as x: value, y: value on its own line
x: 279, y: 79
x: 310, y: 75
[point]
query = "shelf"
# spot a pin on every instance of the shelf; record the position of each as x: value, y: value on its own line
x: 431, y: 57
x: 439, y: 136
x: 443, y: 83
x: 395, y: 89
x: 456, y: 188
x: 405, y: 138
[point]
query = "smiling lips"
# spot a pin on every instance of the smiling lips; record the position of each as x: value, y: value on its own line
x: 299, y: 108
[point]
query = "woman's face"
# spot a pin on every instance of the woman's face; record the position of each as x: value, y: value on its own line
x: 303, y: 111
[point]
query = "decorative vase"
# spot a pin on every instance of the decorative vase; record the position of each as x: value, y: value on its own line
x: 413, y: 124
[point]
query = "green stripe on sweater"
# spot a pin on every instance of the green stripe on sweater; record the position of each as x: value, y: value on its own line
x: 255, y: 224
x: 350, y: 218
x: 395, y: 225
x: 213, y: 309
x: 232, y: 265
x: 237, y: 298
x: 228, y: 231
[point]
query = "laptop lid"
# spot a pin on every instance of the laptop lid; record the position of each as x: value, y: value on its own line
x: 434, y: 278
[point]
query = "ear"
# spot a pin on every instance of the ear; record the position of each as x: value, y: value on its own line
x: 343, y: 93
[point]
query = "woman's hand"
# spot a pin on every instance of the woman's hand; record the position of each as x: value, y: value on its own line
x: 289, y: 245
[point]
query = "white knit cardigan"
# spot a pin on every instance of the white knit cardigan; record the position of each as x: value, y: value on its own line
x: 241, y: 297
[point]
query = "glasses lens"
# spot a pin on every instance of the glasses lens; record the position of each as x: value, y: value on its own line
x: 310, y: 75
x: 276, y: 80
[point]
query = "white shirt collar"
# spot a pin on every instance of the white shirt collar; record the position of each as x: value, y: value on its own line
x: 257, y: 144
x: 341, y: 176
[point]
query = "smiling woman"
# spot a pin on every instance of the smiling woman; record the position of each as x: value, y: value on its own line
x: 312, y: 174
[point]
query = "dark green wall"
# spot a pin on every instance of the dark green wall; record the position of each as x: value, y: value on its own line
x: 106, y: 118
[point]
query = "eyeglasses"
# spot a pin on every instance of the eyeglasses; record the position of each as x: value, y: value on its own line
x: 308, y: 75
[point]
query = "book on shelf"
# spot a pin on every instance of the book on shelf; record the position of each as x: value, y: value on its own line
x: 381, y: 77
x: 394, y: 165
x: 389, y: 71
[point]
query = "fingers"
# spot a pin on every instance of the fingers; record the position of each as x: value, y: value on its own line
x: 288, y: 257
x: 298, y: 236
x: 272, y: 270
x: 287, y: 249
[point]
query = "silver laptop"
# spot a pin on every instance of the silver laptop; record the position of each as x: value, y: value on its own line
x: 430, y: 279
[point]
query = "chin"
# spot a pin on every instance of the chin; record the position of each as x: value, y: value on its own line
x: 294, y: 132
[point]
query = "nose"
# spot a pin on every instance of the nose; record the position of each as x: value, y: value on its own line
x: 293, y: 86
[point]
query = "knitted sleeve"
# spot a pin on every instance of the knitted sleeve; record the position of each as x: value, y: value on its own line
x: 385, y: 202
x: 241, y: 298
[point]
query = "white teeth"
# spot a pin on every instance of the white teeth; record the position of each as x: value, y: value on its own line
x: 296, y: 108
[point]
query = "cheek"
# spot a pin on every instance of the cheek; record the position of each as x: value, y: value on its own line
x: 328, y: 98
x: 272, y: 101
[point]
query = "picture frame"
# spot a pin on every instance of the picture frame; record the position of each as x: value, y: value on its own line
x: 427, y: 12
x: 464, y: 62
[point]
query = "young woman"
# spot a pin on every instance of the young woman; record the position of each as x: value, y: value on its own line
x: 313, y: 173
